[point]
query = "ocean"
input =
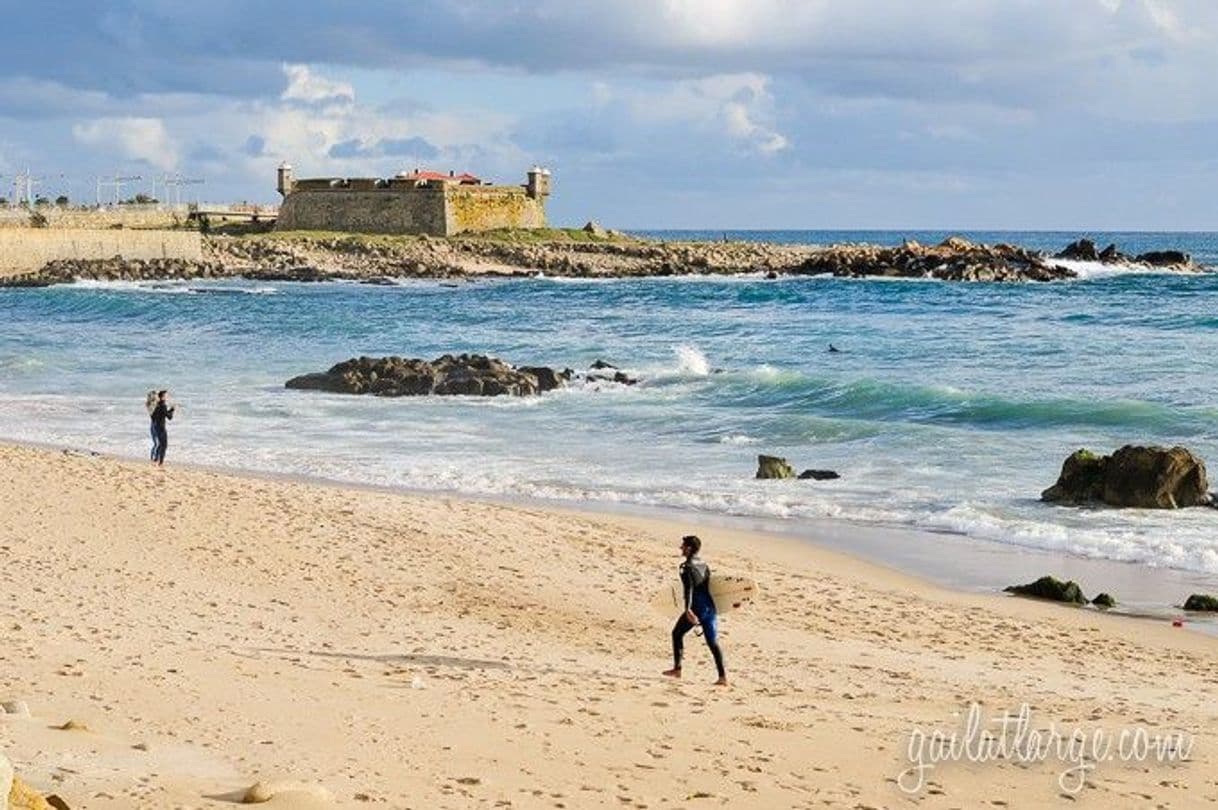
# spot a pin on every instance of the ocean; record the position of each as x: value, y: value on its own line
x: 947, y: 408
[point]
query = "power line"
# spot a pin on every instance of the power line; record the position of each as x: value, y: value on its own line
x: 118, y: 181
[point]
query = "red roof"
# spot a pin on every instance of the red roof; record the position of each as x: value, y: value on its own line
x: 421, y: 175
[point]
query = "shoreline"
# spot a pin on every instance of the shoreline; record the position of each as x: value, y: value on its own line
x: 316, y: 256
x: 952, y: 561
x: 205, y: 631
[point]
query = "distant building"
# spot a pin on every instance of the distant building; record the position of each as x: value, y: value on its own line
x: 416, y: 202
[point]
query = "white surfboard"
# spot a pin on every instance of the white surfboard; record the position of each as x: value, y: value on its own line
x: 728, y: 590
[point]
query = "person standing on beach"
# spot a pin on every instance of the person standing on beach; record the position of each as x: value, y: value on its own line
x: 699, y: 609
x: 161, y: 412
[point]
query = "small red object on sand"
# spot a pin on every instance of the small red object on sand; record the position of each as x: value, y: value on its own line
x: 1177, y: 623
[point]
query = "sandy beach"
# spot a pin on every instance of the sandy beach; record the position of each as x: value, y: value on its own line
x: 206, y: 632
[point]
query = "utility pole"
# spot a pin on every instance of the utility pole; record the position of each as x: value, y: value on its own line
x: 177, y: 181
x: 23, y: 186
x: 117, y: 181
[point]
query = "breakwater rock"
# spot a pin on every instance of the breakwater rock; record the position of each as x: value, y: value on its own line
x: 1085, y: 250
x: 66, y: 271
x: 1133, y: 476
x: 954, y: 259
x: 466, y: 374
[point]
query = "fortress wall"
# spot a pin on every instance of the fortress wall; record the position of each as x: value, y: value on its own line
x: 413, y: 212
x: 127, y: 216
x: 484, y: 209
x: 24, y: 250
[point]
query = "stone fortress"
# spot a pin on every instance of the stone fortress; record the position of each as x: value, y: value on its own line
x: 418, y: 202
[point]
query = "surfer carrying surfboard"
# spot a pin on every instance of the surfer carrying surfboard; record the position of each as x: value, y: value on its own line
x: 699, y: 609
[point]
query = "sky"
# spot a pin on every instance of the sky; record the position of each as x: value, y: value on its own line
x: 954, y: 114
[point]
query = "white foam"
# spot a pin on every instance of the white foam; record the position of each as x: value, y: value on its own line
x: 738, y: 439
x: 1087, y: 271
x: 691, y: 361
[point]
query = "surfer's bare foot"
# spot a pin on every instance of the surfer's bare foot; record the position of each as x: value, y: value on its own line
x: 721, y: 682
x: 672, y: 673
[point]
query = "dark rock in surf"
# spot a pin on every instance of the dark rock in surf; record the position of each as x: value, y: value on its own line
x: 1165, y: 258
x: 1080, y: 250
x: 1081, y: 480
x: 1133, y: 476
x: 547, y: 378
x: 1104, y: 601
x: 1052, y: 589
x: 1110, y: 255
x: 449, y: 375
x: 1202, y: 602
x: 619, y: 377
x: 770, y: 467
x: 599, y: 364
x: 818, y: 475
x: 1155, y: 478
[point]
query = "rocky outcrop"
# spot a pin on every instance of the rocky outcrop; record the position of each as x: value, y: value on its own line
x: 954, y: 259
x: 769, y: 467
x: 65, y: 271
x: 1165, y: 258
x: 1085, y: 250
x: 1202, y: 602
x: 1081, y: 250
x: 1050, y: 588
x: 1104, y: 600
x: 466, y: 374
x: 1133, y: 476
x: 354, y: 257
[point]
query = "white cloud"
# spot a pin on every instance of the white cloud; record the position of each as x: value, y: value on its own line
x: 142, y: 139
x: 306, y: 86
x: 738, y: 106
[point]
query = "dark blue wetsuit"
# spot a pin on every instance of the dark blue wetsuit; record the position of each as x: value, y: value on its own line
x: 695, y: 582
x: 160, y: 434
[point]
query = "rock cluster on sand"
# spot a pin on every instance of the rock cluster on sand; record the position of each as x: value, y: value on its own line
x: 1134, y: 476
x: 1052, y: 589
x: 288, y: 793
x: 466, y: 374
x: 1085, y: 250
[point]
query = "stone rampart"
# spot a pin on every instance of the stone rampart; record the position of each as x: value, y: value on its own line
x: 416, y: 211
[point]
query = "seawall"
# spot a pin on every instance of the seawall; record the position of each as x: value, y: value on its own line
x: 24, y: 250
x: 119, y: 216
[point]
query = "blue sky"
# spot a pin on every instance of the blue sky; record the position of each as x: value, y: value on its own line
x: 1068, y: 114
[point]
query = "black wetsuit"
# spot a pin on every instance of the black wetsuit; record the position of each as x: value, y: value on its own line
x: 160, y: 434
x: 695, y: 582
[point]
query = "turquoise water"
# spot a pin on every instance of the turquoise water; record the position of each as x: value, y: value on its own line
x: 949, y: 407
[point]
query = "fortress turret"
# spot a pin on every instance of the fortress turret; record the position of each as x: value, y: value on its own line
x: 538, y: 186
x: 285, y: 179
